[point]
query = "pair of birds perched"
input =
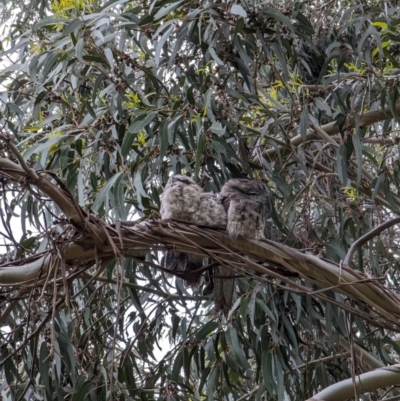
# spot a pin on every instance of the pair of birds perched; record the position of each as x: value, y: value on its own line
x: 240, y: 208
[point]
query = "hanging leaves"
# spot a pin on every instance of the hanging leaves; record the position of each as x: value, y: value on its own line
x: 110, y: 99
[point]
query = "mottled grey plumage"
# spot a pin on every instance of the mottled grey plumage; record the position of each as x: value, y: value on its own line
x: 224, y: 288
x: 183, y: 199
x: 245, y: 202
x: 240, y: 208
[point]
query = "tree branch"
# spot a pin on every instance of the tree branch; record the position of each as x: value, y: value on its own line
x: 29, y: 171
x: 365, y: 383
x: 366, y: 237
x: 332, y: 128
x: 254, y: 255
x: 61, y: 198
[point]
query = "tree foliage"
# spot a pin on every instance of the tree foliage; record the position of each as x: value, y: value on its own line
x: 102, y: 101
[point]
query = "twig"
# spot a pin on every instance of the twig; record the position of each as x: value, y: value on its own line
x: 366, y: 237
x: 249, y: 395
x: 322, y: 360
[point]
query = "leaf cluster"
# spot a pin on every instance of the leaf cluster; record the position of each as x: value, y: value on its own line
x: 114, y: 97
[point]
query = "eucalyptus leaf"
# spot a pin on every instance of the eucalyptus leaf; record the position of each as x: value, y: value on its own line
x: 237, y: 9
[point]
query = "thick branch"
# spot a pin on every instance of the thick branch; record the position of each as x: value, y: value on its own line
x: 24, y: 271
x: 254, y: 255
x: 61, y: 198
x: 367, y: 382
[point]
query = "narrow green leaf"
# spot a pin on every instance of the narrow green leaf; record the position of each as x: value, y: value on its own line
x: 109, y: 56
x: 378, y: 185
x: 239, y: 26
x: 73, y: 25
x: 175, y: 325
x: 178, y: 45
x: 186, y: 364
x: 217, y: 128
x: 190, y: 96
x: 335, y: 249
x: 161, y: 43
x: 267, y: 310
x: 164, y: 139
x: 90, y: 109
x: 304, y: 24
x: 341, y: 165
x: 112, y: 3
x: 177, y: 366
x: 206, y: 330
x: 129, y: 374
x: 236, y: 348
x: 40, y: 97
x: 260, y: 393
x: 200, y: 152
x: 322, y: 105
x: 80, y: 184
x: 44, y: 368
x: 211, y: 385
x: 389, y: 195
x: 127, y: 142
x: 10, y: 371
x: 304, y: 123
x: 79, y: 50
x: 119, y: 196
x: 277, y: 49
x: 204, y: 378
x: 147, y: 19
x: 167, y: 9
x: 266, y: 369
x: 121, y: 375
x: 358, y: 151
x: 280, y: 382
x: 51, y: 60
x: 49, y: 22
x: 277, y: 15
x: 82, y: 389
x: 236, y: 9
x: 42, y: 146
x: 141, y: 121
x: 135, y: 299
x: 57, y: 361
x: 102, y: 196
